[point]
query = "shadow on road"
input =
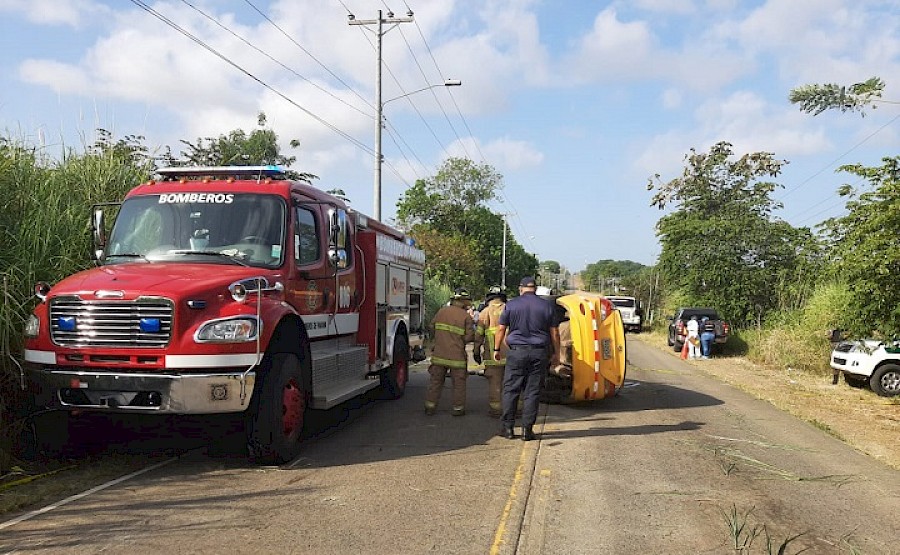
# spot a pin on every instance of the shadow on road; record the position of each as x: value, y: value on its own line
x: 639, y: 396
x: 620, y: 431
x: 368, y: 429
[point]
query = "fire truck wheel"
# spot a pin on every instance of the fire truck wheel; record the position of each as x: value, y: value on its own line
x: 275, y: 422
x: 393, y: 380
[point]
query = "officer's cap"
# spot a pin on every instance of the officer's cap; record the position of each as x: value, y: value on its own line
x: 527, y: 282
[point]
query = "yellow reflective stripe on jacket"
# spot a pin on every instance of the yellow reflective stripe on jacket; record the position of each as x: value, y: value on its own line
x: 489, y: 345
x: 448, y: 362
x: 450, y: 328
x: 479, y: 329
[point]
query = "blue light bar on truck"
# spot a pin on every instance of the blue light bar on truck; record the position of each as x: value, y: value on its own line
x: 222, y: 172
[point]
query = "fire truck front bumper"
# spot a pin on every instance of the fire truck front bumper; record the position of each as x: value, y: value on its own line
x: 171, y: 393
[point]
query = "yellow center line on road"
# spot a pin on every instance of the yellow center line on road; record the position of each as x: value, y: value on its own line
x: 513, y: 492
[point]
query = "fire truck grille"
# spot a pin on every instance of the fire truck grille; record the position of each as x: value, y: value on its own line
x: 145, y: 322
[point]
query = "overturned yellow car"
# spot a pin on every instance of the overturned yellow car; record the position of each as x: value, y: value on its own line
x: 592, y: 358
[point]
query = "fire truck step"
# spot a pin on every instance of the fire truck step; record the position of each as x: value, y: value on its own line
x: 331, y: 397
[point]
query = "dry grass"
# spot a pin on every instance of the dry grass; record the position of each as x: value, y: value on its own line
x: 859, y: 417
x: 43, y: 484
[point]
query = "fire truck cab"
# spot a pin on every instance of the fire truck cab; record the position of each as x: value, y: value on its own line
x: 226, y: 290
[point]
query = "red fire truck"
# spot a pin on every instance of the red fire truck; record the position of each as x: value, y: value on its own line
x: 228, y: 290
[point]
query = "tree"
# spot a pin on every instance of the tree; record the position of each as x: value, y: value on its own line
x: 865, y: 247
x: 452, y: 206
x: 238, y: 148
x: 550, y: 266
x: 606, y: 272
x: 863, y: 243
x: 721, y: 247
x: 815, y: 99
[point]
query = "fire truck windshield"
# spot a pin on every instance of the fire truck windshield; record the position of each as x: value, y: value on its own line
x: 232, y: 228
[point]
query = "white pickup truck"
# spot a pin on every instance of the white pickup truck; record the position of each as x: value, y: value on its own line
x: 874, y: 362
x: 630, y: 310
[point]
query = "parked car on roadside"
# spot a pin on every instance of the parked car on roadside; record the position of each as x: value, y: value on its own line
x: 678, y: 326
x: 630, y: 310
x: 869, y: 362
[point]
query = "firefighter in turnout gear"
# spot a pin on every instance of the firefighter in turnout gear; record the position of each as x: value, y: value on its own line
x: 453, y: 328
x: 485, y: 328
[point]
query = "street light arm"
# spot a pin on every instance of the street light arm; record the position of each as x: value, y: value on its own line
x: 447, y: 83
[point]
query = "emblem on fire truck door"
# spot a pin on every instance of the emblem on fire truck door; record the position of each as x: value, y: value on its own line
x: 312, y: 296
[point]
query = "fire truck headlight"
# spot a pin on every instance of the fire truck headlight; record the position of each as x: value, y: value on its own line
x: 233, y: 330
x: 32, y: 326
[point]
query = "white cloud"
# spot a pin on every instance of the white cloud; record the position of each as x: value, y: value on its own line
x: 821, y: 41
x: 615, y: 51
x: 62, y: 78
x: 743, y: 119
x: 508, y: 155
x: 72, y: 13
x: 671, y: 99
x: 666, y: 6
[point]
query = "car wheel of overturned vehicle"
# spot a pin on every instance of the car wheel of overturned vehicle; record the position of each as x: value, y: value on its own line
x: 394, y: 379
x: 277, y: 412
x: 885, y: 381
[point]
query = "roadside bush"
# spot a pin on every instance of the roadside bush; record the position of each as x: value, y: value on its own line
x: 436, y: 295
x: 44, y: 219
x: 799, y: 339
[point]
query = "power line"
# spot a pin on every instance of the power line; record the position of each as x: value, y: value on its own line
x: 452, y: 98
x: 823, y: 201
x: 817, y: 214
x: 308, y: 53
x: 254, y: 47
x: 433, y: 93
x: 233, y: 64
x: 836, y: 160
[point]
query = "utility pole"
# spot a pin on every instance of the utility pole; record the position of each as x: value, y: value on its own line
x: 379, y: 106
x: 503, y: 258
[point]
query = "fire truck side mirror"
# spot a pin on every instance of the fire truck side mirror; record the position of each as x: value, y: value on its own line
x: 337, y: 232
x: 98, y: 227
x: 338, y: 258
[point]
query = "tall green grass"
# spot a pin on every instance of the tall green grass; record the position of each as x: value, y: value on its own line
x: 45, y: 235
x: 436, y: 295
x: 799, y: 339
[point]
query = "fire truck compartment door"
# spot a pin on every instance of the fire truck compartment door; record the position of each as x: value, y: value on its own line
x: 397, y: 288
x: 381, y: 278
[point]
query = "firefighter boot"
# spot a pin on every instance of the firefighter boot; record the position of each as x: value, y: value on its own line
x: 430, y: 408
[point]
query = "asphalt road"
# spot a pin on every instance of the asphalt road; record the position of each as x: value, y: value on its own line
x: 675, y: 464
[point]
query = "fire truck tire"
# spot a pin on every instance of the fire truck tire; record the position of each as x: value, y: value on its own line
x: 275, y: 421
x: 394, y: 379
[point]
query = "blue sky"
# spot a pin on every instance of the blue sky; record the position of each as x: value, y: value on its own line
x: 576, y: 103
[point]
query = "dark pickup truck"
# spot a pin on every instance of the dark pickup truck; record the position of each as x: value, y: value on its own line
x: 678, y: 325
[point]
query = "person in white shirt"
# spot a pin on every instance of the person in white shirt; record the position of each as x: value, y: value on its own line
x: 693, y: 338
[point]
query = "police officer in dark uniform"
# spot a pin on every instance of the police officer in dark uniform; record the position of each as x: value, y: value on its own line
x: 529, y: 327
